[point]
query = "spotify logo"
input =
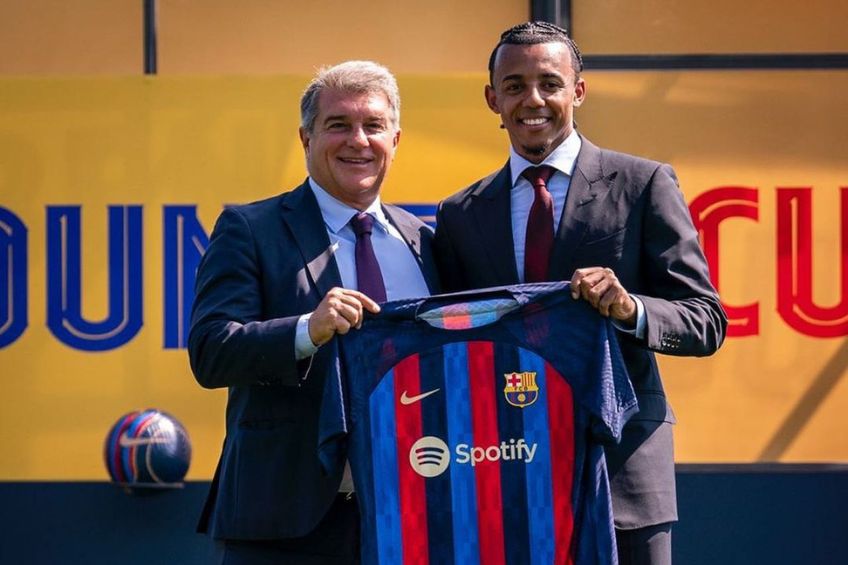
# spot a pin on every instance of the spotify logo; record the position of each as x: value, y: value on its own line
x: 429, y: 456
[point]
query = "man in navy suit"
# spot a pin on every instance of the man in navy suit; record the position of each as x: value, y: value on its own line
x: 279, y: 279
x: 617, y: 227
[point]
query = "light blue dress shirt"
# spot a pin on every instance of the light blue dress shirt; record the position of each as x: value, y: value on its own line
x: 402, y: 275
x: 562, y: 159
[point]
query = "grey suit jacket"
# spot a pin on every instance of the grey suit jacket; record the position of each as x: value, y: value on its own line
x: 267, y: 263
x: 626, y: 213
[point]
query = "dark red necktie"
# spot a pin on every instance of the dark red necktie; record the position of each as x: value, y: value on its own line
x: 369, y: 279
x: 540, y: 225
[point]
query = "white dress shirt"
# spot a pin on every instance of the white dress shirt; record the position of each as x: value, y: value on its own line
x: 402, y: 275
x: 562, y: 159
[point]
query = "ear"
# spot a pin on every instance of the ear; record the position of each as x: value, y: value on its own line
x: 396, y: 139
x: 492, y: 99
x: 579, y: 92
x: 304, y: 138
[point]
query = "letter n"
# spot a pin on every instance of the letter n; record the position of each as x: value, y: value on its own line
x: 13, y: 277
x: 64, y: 279
x: 795, y: 266
x: 708, y: 211
x: 185, y: 240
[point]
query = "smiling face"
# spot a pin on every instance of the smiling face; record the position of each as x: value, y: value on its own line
x: 351, y: 145
x: 535, y: 90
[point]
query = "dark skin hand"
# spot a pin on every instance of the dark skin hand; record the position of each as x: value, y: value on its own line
x: 601, y: 288
x: 340, y: 310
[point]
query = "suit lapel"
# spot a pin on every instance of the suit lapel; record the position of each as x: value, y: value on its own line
x: 582, y: 203
x: 301, y: 213
x: 491, y: 209
x: 411, y: 233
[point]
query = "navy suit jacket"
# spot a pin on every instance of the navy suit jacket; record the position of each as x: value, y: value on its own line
x: 626, y: 213
x: 267, y: 263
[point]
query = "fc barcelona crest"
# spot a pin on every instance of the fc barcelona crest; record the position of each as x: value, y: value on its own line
x: 521, y: 389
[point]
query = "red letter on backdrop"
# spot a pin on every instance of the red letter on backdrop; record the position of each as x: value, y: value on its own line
x: 795, y: 266
x: 708, y: 210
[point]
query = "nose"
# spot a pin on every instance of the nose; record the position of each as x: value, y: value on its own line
x: 358, y: 137
x: 534, y: 98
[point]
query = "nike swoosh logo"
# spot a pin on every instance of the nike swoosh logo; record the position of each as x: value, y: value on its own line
x: 406, y: 400
x: 127, y: 441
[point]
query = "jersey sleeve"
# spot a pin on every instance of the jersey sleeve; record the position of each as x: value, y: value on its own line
x: 612, y: 398
x: 596, y: 541
x: 333, y: 418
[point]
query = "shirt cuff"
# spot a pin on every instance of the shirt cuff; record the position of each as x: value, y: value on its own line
x: 641, y: 322
x: 303, y: 346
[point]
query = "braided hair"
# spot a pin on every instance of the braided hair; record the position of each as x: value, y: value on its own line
x: 533, y: 33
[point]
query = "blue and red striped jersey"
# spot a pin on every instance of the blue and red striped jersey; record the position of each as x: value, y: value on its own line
x: 474, y: 425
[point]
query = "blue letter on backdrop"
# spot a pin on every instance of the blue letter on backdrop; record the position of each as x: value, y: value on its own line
x: 13, y: 272
x: 64, y: 279
x: 185, y: 240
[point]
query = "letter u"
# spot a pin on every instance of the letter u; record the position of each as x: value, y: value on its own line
x: 795, y: 266
x: 64, y: 279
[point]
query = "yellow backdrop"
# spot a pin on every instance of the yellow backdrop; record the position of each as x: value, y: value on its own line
x: 778, y: 394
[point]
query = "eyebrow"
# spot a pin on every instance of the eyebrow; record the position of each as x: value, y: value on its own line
x: 345, y: 118
x: 339, y: 117
x: 521, y: 77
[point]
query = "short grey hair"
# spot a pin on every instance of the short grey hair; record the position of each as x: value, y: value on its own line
x: 355, y: 77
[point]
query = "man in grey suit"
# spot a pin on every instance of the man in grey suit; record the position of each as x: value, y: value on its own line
x: 616, y: 226
x: 279, y: 279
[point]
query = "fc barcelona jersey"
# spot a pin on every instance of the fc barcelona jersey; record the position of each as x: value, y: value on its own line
x: 474, y: 425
